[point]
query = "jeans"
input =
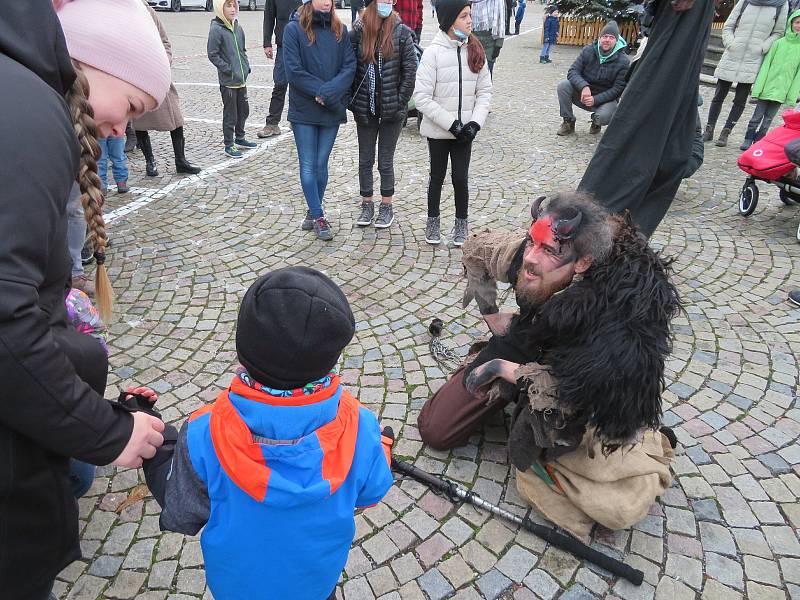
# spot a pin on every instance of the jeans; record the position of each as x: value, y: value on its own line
x: 76, y: 229
x: 386, y: 133
x: 354, y: 6
x: 279, y: 86
x: 739, y: 101
x: 459, y: 154
x: 81, y: 476
x: 235, y: 110
x: 762, y: 119
x: 568, y: 95
x: 113, y: 149
x: 545, y: 50
x: 314, y: 144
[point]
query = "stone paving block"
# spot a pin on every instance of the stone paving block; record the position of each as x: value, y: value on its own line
x: 105, y: 566
x: 126, y: 585
x: 191, y: 581
x: 162, y: 574
x: 380, y: 548
x: 140, y: 555
x: 626, y: 590
x: 714, y: 590
x: 542, y: 584
x: 716, y: 538
x: 559, y: 564
x: 671, y: 589
x: 420, y: 523
x: 577, y: 592
x: 358, y: 589
x: 516, y: 563
x: 381, y: 581
x: 456, y: 570
x: 357, y: 563
x: 706, y: 510
x: 493, y: 584
x: 764, y: 592
x: 495, y: 536
x: 457, y: 530
x: 479, y: 557
x: 680, y: 521
x: 782, y: 540
x: 432, y: 549
x: 435, y: 585
x: 761, y: 570
x: 648, y: 546
x: 724, y: 570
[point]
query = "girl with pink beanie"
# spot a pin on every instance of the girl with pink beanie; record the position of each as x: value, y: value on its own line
x: 68, y: 77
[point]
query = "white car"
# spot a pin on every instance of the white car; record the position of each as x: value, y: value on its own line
x: 178, y: 5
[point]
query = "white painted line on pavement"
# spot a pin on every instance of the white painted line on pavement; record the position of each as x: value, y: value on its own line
x: 147, y: 195
x: 216, y: 85
x: 217, y: 122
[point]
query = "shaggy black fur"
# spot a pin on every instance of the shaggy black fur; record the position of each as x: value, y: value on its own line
x: 606, y: 338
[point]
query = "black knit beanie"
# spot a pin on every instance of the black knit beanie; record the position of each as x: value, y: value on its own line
x: 447, y: 12
x: 293, y: 325
x: 610, y: 28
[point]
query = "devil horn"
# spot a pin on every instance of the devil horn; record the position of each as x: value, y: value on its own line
x: 536, y: 207
x: 566, y: 228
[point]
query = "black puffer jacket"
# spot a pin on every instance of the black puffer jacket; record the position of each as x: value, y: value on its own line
x: 47, y: 410
x: 395, y: 86
x: 606, y: 79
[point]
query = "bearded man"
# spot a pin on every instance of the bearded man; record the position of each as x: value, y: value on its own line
x: 583, y: 359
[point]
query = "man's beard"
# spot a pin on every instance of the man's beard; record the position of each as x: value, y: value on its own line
x: 529, y: 297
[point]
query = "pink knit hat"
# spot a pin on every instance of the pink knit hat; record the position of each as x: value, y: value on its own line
x: 117, y: 37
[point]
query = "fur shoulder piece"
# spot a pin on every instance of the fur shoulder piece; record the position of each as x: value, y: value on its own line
x: 606, y: 338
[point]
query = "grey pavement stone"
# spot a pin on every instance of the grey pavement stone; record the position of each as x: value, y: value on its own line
x: 493, y: 584
x: 714, y: 590
x: 456, y: 570
x: 126, y: 585
x: 706, y: 510
x: 457, y: 530
x: 724, y: 570
x: 671, y: 589
x: 381, y: 581
x: 140, y: 555
x: 87, y: 587
x: 542, y: 584
x: 782, y: 540
x: 765, y: 592
x: 717, y: 538
x: 680, y: 521
x: 161, y: 574
x: 435, y: 585
x: 105, y: 566
x: 516, y: 563
x: 191, y: 581
x: 685, y: 569
x: 626, y: 590
x: 761, y: 570
x: 577, y: 592
x: 358, y: 589
x: 406, y: 567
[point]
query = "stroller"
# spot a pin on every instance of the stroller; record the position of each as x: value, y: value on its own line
x: 766, y: 160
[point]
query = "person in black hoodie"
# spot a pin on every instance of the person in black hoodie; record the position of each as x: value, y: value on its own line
x: 320, y: 66
x: 276, y: 16
x: 51, y: 407
x: 384, y: 82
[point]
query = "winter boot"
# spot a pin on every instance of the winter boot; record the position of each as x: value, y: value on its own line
x: 460, y: 232
x: 516, y: 28
x: 367, y: 213
x: 432, y: 235
x: 179, y: 146
x: 708, y: 134
x: 130, y: 138
x: 594, y: 128
x: 143, y: 140
x: 723, y: 137
x: 567, y: 128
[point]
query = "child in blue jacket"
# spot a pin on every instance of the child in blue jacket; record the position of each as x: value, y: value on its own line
x: 275, y: 467
x: 550, y: 33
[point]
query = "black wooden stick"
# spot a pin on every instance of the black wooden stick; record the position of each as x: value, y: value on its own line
x: 559, y: 540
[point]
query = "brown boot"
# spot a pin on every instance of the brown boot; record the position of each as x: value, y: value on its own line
x: 594, y: 128
x: 722, y: 141
x: 567, y: 127
x: 84, y: 284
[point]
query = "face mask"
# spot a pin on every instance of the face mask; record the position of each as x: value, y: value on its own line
x: 460, y: 35
x: 384, y: 10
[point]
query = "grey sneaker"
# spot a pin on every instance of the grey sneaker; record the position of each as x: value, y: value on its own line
x: 308, y: 222
x: 432, y: 235
x: 385, y: 216
x: 269, y: 131
x: 460, y: 232
x: 367, y: 212
x: 323, y: 229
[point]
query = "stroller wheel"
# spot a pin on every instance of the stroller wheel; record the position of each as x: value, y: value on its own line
x: 788, y: 198
x: 748, y: 198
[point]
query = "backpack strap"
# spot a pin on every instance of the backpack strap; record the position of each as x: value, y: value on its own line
x: 739, y: 18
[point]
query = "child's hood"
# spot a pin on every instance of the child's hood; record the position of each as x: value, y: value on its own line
x: 285, y: 451
x: 218, y: 4
x: 790, y: 34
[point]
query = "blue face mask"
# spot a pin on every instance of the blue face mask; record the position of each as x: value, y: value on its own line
x: 384, y: 10
x: 460, y: 35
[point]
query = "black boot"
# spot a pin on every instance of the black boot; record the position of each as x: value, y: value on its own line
x: 130, y: 138
x: 143, y: 140
x: 181, y: 164
x: 516, y: 28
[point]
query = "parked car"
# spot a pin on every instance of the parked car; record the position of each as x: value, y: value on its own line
x: 251, y: 4
x: 179, y: 5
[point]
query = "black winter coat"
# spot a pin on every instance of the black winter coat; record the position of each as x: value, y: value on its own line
x: 47, y: 410
x: 276, y: 16
x: 396, y: 85
x: 607, y: 80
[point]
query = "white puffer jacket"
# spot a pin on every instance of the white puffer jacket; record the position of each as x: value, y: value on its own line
x: 746, y: 45
x: 444, y: 80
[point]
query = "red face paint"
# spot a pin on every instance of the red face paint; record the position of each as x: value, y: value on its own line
x: 542, y: 231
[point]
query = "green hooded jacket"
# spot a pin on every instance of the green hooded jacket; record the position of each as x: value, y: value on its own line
x: 779, y: 76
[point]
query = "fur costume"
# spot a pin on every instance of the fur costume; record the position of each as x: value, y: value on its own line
x: 600, y: 343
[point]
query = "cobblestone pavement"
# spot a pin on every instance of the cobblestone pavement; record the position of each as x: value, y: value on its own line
x: 185, y: 249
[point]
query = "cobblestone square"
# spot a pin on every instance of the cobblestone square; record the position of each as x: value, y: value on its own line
x: 186, y: 248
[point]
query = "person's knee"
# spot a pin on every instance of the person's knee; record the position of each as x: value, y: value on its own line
x: 564, y: 88
x: 433, y: 433
x: 604, y: 114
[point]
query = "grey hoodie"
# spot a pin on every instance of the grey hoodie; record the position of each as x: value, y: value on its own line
x: 226, y: 50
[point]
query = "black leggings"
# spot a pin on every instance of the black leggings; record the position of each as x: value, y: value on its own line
x: 739, y: 101
x: 459, y: 154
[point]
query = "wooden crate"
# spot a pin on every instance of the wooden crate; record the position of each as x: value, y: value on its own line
x: 573, y: 31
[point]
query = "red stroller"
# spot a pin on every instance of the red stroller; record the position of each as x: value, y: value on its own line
x: 766, y: 161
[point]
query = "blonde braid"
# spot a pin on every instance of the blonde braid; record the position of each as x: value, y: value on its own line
x: 91, y: 188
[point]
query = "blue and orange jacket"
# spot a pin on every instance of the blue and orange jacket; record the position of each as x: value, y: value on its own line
x: 275, y: 480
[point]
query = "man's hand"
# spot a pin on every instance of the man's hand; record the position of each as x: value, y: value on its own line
x: 585, y: 93
x: 268, y: 51
x: 482, y: 377
x: 145, y: 440
x: 588, y: 100
x: 498, y: 322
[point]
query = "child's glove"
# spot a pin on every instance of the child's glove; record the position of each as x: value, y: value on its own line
x: 456, y: 128
x: 468, y: 132
x: 387, y: 439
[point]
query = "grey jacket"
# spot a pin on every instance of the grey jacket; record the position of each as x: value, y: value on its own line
x: 226, y: 51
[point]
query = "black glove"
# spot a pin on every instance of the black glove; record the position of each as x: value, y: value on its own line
x: 469, y: 131
x: 456, y: 127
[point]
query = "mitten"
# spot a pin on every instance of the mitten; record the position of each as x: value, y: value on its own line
x: 456, y: 127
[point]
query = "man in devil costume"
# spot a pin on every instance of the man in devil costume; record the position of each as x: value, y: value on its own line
x: 583, y: 359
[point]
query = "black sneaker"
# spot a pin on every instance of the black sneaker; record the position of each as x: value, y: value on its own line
x: 385, y: 216
x: 87, y: 254
x: 308, y: 222
x: 367, y: 213
x: 323, y: 229
x: 432, y: 234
